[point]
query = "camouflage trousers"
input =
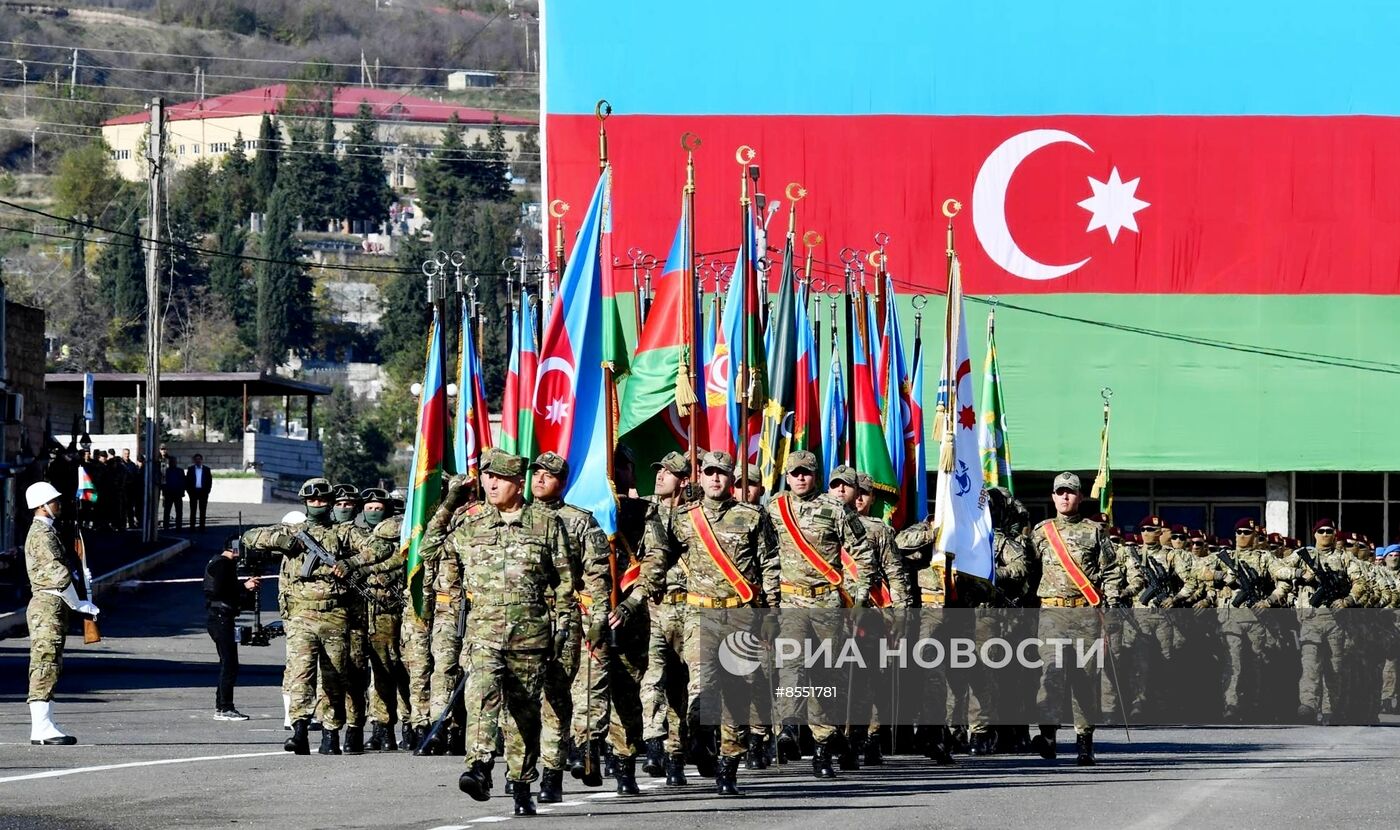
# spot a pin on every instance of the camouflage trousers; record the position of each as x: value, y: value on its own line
x: 1323, y: 645
x: 1244, y: 649
x: 1067, y: 680
x: 818, y: 619
x: 446, y: 649
x: 666, y: 679
x: 415, y: 643
x: 388, y: 691
x: 607, y: 689
x: 557, y: 706
x: 317, y: 639
x: 708, y: 693
x: 859, y: 694
x: 511, y: 681
x: 355, y: 680
x: 48, y: 628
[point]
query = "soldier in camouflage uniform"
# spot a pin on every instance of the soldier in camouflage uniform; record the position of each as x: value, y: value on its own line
x: 1390, y: 671
x: 1323, y: 641
x: 667, y: 678
x: 52, y: 593
x: 721, y: 547
x: 315, y: 620
x: 1245, y: 637
x: 379, y: 561
x: 415, y: 643
x: 442, y: 581
x: 1012, y: 567
x: 811, y: 568
x: 345, y: 506
x: 888, y: 590
x: 512, y: 555
x: 1086, y: 546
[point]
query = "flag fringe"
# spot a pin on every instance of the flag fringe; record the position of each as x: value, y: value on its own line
x: 685, y: 393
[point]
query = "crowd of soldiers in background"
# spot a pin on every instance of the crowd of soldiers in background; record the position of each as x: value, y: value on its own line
x: 619, y: 672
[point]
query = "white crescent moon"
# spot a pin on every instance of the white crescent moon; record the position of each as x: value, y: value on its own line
x: 551, y: 364
x: 989, y: 204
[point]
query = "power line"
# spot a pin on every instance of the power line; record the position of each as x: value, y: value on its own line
x: 299, y: 61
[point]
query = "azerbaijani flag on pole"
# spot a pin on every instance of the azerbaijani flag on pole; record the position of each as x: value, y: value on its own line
x: 86, y: 491
x: 991, y: 432
x: 872, y: 455
x: 962, y: 524
x: 806, y: 413
x: 919, y: 500
x: 615, y: 349
x: 570, y: 393
x: 718, y: 393
x: 429, y: 453
x: 785, y: 373
x: 833, y: 423
x: 510, y: 396
x: 472, y: 424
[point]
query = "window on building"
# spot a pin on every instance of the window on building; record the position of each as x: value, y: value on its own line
x: 196, y: 149
x: 250, y: 144
x: 1366, y: 503
x: 182, y: 149
x: 218, y: 146
x: 121, y: 155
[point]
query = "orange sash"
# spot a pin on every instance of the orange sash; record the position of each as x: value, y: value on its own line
x: 629, y: 577
x: 803, y: 546
x: 706, y: 535
x: 1057, y: 544
x: 879, y: 591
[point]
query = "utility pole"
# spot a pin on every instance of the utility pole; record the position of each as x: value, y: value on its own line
x: 73, y: 78
x: 154, y: 151
x: 24, y: 88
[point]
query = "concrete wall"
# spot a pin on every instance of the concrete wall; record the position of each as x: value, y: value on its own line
x: 277, y: 457
x: 24, y: 350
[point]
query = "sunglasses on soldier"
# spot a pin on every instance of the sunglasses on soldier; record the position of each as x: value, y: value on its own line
x: 1326, y: 531
x: 1179, y: 537
x: 1244, y: 531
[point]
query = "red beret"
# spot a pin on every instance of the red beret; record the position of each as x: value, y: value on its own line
x: 1324, y: 523
x: 1151, y: 521
x: 1179, y: 529
x: 1275, y: 539
x: 1246, y: 524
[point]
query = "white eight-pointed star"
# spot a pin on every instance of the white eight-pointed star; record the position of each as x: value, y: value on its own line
x: 1113, y: 204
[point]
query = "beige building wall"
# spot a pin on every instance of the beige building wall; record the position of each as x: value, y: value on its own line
x: 188, y: 141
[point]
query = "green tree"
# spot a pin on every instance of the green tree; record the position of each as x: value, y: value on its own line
x: 228, y: 277
x: 355, y: 448
x: 266, y: 163
x: 364, y: 181
x: 443, y: 179
x: 312, y: 175
x: 85, y: 180
x: 121, y: 274
x: 234, y: 184
x: 194, y: 194
x: 403, y: 326
x: 285, y: 303
x: 188, y: 271
x: 527, y: 157
x: 491, y: 172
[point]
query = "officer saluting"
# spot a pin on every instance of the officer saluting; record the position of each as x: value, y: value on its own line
x: 53, y: 594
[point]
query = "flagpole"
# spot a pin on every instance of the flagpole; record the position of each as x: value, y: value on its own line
x: 686, y: 398
x: 744, y: 155
x: 943, y: 414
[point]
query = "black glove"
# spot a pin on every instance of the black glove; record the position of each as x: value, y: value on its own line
x: 624, y: 611
x: 597, y: 629
x: 561, y: 643
x: 770, y: 626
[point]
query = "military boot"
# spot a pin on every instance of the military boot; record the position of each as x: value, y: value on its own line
x: 476, y: 781
x: 937, y: 746
x: 410, y: 736
x: 848, y: 756
x: 754, y: 757
x: 390, y: 743
x: 330, y: 742
x: 625, y: 773
x: 982, y: 743
x: 523, y: 805
x: 789, y: 747
x: 655, y: 764
x: 727, y: 776
x: 551, y: 786
x: 1085, y: 744
x: 299, y: 743
x: 433, y: 743
x: 1044, y: 743
x: 609, y: 760
x: 456, y: 741
x: 354, y: 740
x: 821, y: 762
x: 702, y: 753
x: 675, y: 771
x: 510, y: 787
x: 592, y: 773
x: 874, y: 756
x: 375, y: 743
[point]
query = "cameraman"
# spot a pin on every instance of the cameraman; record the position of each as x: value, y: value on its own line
x: 224, y: 595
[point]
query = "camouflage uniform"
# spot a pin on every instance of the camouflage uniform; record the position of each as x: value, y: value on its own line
x: 510, y: 565
x: 665, y: 684
x: 1088, y: 547
x: 828, y: 526
x: 887, y: 581
x: 557, y: 710
x: 47, y: 615
x: 316, y: 619
x: 380, y: 560
x: 444, y: 593
x: 676, y: 550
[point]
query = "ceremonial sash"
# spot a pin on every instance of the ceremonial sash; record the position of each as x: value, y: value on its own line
x: 629, y: 577
x: 1057, y: 544
x: 803, y: 546
x: 727, y: 568
x: 879, y: 591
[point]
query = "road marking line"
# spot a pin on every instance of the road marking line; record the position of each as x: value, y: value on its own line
x: 58, y: 773
x: 603, y: 795
x: 451, y: 827
x: 492, y: 819
x: 568, y: 803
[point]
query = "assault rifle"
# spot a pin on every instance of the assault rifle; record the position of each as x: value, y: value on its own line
x: 1157, y: 588
x: 1330, y: 585
x: 1245, y: 592
x: 316, y: 553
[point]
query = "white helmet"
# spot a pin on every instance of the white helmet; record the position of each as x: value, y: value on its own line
x: 40, y: 494
x: 295, y: 517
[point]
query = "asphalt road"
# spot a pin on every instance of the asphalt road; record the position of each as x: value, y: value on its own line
x: 150, y: 756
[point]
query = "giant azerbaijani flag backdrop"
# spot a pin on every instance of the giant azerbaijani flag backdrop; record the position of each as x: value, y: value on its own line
x: 1194, y: 203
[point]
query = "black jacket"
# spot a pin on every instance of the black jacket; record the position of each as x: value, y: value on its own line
x: 223, y: 589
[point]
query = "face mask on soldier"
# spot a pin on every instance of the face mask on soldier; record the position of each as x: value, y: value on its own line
x: 342, y: 514
x: 373, y: 515
x: 318, y: 512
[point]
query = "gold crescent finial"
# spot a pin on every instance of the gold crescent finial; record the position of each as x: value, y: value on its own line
x: 602, y: 109
x: 558, y: 208
x: 876, y: 259
x: 745, y: 154
x: 795, y: 192
x: 811, y: 239
x: 690, y: 142
x: 951, y: 207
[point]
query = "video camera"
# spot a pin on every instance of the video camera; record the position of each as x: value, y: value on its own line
x: 251, y: 562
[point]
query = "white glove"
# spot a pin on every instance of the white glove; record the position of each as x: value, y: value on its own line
x: 69, y: 596
x: 86, y: 607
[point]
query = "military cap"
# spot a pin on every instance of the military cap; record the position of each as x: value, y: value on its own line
x: 1293, y: 542
x: 1115, y: 532
x: 1321, y: 523
x: 1066, y: 481
x: 1151, y: 523
x: 1196, y: 535
x: 346, y: 492
x: 865, y: 483
x: 717, y: 460
x: 552, y: 463
x: 676, y: 462
x: 1247, y: 523
x: 1392, y: 550
x: 315, y: 488
x: 1099, y: 518
x: 800, y: 460
x: 1275, y: 539
x: 1179, y: 530
x: 1132, y: 538
x: 505, y: 465
x: 844, y: 474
